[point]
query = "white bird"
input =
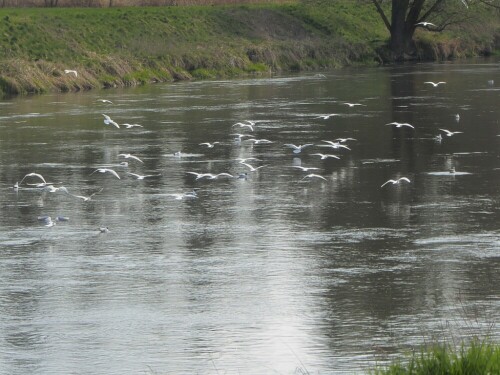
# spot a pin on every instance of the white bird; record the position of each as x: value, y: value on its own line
x: 353, y: 104
x: 326, y: 156
x: 86, y: 198
x: 208, y: 144
x: 449, y: 133
x: 435, y: 84
x: 305, y: 169
x: 259, y: 141
x: 312, y: 175
x: 400, y: 124
x: 334, y: 145
x: 326, y: 117
x: 239, y: 136
x: 105, y: 101
x: 128, y: 126
x: 69, y: 71
x: 343, y: 140
x: 181, y: 196
x: 298, y: 149
x: 142, y: 177
x: 130, y: 156
x: 210, y: 176
x: 242, y: 125
x: 244, y: 160
x: 108, y: 120
x: 394, y: 182
x: 104, y: 230
x: 425, y: 24
x: 33, y: 175
x: 252, y: 168
x: 104, y: 170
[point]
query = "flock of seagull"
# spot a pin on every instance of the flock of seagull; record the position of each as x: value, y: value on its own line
x: 310, y: 172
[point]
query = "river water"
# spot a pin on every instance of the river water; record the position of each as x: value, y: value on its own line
x: 275, y: 273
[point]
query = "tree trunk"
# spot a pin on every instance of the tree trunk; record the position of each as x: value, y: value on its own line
x: 401, y: 32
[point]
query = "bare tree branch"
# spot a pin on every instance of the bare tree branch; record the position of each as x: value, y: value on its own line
x: 382, y: 14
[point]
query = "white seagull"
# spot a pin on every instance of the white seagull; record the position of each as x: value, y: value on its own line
x: 33, y: 175
x: 326, y: 156
x: 326, y: 117
x: 435, y: 84
x: 394, y: 182
x: 210, y: 176
x: 312, y: 175
x: 108, y: 121
x: 449, y: 133
x: 252, y: 168
x: 142, y: 177
x: 85, y: 198
x: 305, y: 169
x: 344, y: 140
x: 128, y: 126
x: 105, y: 101
x: 259, y: 141
x: 69, y: 71
x: 400, y: 124
x: 353, y: 104
x: 298, y: 149
x: 208, y: 144
x: 425, y: 24
x: 104, y: 170
x: 130, y: 156
x: 334, y: 145
x: 242, y: 125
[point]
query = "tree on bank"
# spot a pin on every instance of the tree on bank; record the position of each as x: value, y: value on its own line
x: 408, y: 15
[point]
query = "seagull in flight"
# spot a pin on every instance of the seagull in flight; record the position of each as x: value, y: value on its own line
x: 252, y: 168
x: 400, y: 124
x: 326, y: 156
x: 298, y: 149
x: 344, y: 140
x: 425, y: 24
x: 326, y: 117
x: 142, y: 177
x: 130, y: 156
x: 105, y: 101
x: 312, y: 175
x: 128, y: 126
x: 70, y: 71
x: 259, y: 141
x: 305, y: 169
x: 435, y: 84
x: 210, y: 176
x: 33, y: 175
x: 208, y: 144
x: 244, y: 160
x: 104, y: 230
x: 449, y: 133
x: 394, y: 182
x: 104, y: 170
x: 243, y: 125
x: 334, y: 145
x: 108, y: 121
x: 353, y: 104
x: 85, y: 198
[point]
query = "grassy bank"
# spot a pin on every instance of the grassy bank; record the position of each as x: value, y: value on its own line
x: 478, y: 358
x: 129, y: 46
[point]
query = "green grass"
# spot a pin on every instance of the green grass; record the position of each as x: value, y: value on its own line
x: 477, y: 358
x: 139, y: 45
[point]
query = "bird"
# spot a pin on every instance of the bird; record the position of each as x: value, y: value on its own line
x: 312, y: 175
x: 130, y: 156
x: 208, y: 144
x: 210, y: 176
x: 400, y: 124
x: 326, y: 117
x: 244, y: 160
x: 425, y: 24
x: 326, y: 156
x: 252, y: 168
x: 105, y: 101
x: 343, y: 140
x: 142, y: 177
x: 334, y: 145
x: 239, y: 136
x: 457, y: 117
x: 259, y: 141
x: 70, y: 71
x: 86, y: 198
x: 353, y: 104
x: 450, y: 133
x: 128, y: 126
x: 435, y: 84
x: 33, y: 174
x: 298, y: 149
x: 242, y: 125
x: 305, y: 169
x: 104, y: 230
x: 394, y: 182
x: 104, y: 170
x: 108, y: 121
x: 438, y: 138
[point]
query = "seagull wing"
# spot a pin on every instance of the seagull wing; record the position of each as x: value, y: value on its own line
x: 385, y: 183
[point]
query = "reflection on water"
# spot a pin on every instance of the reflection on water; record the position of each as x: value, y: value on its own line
x: 274, y: 272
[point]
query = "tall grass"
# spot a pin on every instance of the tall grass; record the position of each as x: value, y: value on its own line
x: 477, y: 358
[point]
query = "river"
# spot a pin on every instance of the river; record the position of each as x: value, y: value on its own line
x: 279, y: 272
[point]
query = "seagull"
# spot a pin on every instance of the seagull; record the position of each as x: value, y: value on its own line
x: 252, y: 168
x: 105, y: 101
x: 242, y: 125
x: 130, y: 156
x: 334, y: 145
x: 208, y: 144
x: 326, y: 156
x: 298, y: 149
x: 141, y: 177
x: 425, y: 24
x: 32, y: 175
x: 108, y: 120
x: 104, y: 170
x: 305, y: 169
x: 394, y: 182
x: 400, y: 124
x: 210, y: 176
x: 450, y: 133
x: 312, y: 175
x: 84, y: 198
x: 69, y: 71
x: 326, y: 117
x: 239, y: 136
x: 438, y: 138
x: 343, y: 140
x: 244, y: 160
x: 128, y: 126
x: 353, y: 104
x: 259, y: 141
x: 435, y: 84
x: 103, y: 230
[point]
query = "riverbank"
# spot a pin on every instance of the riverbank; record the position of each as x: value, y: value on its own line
x: 131, y: 46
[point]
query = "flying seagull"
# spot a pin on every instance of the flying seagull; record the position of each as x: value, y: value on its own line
x: 105, y: 101
x: 208, y: 144
x: 449, y: 133
x: 33, y: 175
x: 312, y: 175
x: 394, y: 182
x: 104, y: 170
x: 435, y: 84
x: 130, y: 156
x: 425, y: 24
x: 108, y: 120
x: 69, y: 71
x: 142, y: 177
x: 252, y: 168
x: 326, y: 156
x: 401, y: 124
x: 298, y: 149
x: 85, y: 198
